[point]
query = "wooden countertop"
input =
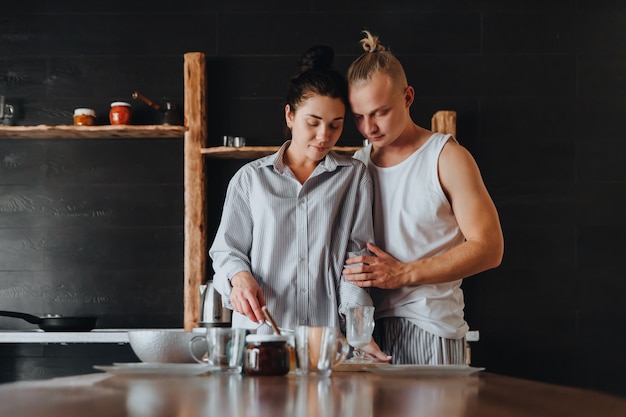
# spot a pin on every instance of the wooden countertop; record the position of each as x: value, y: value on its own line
x: 344, y: 394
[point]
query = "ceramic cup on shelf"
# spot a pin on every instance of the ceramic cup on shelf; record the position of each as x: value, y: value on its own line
x: 239, y: 141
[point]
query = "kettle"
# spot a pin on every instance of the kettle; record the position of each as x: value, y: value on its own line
x: 212, y: 313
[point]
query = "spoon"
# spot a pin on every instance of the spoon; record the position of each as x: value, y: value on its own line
x: 270, y: 319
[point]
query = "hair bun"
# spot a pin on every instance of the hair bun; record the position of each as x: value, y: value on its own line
x: 371, y: 43
x: 318, y: 57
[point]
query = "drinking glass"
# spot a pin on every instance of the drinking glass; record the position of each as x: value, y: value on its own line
x: 225, y: 348
x: 359, y: 328
x: 318, y: 349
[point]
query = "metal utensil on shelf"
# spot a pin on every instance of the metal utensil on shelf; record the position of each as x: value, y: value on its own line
x: 170, y: 114
x: 7, y: 111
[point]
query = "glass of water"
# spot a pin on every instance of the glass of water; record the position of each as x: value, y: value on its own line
x: 359, y: 328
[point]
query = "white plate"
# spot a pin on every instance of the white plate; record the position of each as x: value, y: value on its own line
x: 146, y: 368
x: 413, y: 370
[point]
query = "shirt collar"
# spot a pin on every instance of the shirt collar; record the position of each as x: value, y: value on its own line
x: 329, y: 163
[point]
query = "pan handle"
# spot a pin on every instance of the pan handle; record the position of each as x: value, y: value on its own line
x: 28, y: 317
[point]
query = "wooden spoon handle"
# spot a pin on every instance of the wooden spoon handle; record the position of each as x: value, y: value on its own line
x: 138, y: 96
x: 269, y: 318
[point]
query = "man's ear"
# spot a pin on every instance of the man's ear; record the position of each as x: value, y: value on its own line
x: 409, y: 96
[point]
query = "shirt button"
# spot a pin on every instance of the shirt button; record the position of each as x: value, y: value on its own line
x: 302, y: 321
x: 303, y: 290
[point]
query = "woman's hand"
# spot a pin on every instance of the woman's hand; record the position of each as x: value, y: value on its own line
x: 375, y: 353
x: 246, y: 296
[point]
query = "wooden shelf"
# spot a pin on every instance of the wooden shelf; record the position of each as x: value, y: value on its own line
x: 91, y: 132
x: 253, y: 152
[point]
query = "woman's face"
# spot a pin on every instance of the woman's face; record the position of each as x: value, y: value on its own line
x: 316, y: 126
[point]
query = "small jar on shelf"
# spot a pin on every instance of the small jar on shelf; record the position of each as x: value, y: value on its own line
x: 119, y: 113
x: 84, y: 117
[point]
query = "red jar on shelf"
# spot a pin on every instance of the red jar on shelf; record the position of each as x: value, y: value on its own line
x: 119, y: 113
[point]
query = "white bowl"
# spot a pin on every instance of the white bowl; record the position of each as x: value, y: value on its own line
x: 166, y: 345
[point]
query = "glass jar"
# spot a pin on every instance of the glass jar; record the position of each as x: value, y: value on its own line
x: 84, y: 117
x: 267, y: 355
x: 119, y: 113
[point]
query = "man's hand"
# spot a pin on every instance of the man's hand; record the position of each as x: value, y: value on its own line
x: 246, y: 296
x: 382, y: 270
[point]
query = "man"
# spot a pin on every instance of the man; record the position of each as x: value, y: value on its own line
x: 434, y: 220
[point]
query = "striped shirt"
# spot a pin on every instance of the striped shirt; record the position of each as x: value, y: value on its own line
x: 294, y: 238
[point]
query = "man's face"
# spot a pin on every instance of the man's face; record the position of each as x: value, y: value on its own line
x: 380, y: 110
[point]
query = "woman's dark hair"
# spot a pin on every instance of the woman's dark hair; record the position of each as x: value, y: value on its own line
x: 316, y: 76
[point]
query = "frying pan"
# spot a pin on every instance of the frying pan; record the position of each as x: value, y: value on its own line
x: 56, y: 323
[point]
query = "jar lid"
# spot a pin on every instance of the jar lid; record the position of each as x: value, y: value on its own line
x: 120, y: 103
x: 84, y: 112
x: 266, y: 338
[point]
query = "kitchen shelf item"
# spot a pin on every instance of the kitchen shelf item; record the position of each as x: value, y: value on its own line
x: 120, y: 113
x: 84, y: 117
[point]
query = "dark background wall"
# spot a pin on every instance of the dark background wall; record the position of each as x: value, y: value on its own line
x: 95, y: 226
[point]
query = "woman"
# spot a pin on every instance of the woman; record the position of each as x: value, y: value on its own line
x: 291, y: 218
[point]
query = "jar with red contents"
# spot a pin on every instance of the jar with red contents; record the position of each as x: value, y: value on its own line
x: 119, y: 113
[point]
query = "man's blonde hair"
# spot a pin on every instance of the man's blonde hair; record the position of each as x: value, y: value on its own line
x: 375, y: 59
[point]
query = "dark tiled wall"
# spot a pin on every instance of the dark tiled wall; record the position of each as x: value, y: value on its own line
x: 540, y: 91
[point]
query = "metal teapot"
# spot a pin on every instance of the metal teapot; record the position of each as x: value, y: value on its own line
x: 212, y: 313
x: 170, y: 114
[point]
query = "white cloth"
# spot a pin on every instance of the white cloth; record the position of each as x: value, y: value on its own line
x: 294, y: 238
x: 413, y: 219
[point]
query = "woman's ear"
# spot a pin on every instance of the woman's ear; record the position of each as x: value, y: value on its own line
x: 288, y: 116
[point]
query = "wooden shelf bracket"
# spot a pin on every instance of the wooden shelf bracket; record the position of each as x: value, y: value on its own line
x: 195, y: 253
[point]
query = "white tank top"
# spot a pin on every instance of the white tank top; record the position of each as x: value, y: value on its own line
x: 413, y: 219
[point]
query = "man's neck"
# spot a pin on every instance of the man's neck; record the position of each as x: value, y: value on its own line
x: 400, y: 149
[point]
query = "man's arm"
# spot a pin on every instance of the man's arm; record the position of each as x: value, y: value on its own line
x: 477, y: 218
